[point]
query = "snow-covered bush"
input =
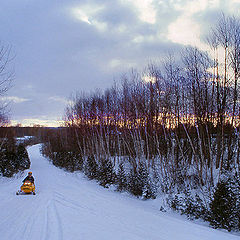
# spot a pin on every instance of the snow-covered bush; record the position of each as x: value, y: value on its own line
x: 191, y: 206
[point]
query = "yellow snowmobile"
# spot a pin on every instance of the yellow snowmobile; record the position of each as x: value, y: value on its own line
x: 27, y: 188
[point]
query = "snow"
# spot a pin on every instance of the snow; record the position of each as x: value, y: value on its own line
x: 22, y: 139
x: 70, y: 207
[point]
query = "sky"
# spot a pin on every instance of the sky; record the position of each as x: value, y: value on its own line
x: 61, y: 47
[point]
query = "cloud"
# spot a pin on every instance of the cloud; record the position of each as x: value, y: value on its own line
x: 146, y: 11
x: 14, y: 99
x: 60, y: 99
x: 192, y: 7
x: 233, y: 6
x: 88, y: 14
x: 185, y: 29
x: 81, y: 15
x: 121, y: 64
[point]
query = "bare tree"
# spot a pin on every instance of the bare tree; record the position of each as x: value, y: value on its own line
x: 6, y: 78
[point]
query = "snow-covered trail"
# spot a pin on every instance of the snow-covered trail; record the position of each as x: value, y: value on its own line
x: 69, y: 207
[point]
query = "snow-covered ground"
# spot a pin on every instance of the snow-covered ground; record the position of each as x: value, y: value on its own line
x: 69, y: 207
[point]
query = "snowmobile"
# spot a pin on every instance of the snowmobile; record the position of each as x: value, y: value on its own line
x: 26, y: 188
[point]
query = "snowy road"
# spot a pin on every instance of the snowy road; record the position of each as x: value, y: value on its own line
x: 69, y: 207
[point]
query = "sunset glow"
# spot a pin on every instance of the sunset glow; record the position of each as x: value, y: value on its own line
x: 34, y: 122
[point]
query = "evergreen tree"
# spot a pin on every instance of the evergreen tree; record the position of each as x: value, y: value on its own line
x: 22, y: 157
x: 222, y: 207
x: 201, y: 211
x: 189, y: 208
x: 175, y: 202
x: 8, y: 163
x: 106, y: 172
x: 234, y: 185
x: 78, y: 159
x: 91, y: 167
x: 138, y: 179
x: 150, y: 190
x: 121, y: 179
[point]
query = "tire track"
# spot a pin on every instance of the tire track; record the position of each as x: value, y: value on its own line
x: 33, y: 216
x: 24, y: 216
x: 53, y: 223
x: 66, y: 202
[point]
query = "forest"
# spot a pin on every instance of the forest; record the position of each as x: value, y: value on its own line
x: 171, y: 129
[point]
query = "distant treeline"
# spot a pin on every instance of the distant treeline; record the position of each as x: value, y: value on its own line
x: 172, y: 129
x: 19, y: 131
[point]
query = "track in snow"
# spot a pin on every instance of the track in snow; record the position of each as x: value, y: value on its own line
x: 69, y: 207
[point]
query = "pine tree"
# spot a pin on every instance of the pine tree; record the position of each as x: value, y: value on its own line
x: 190, y: 207
x: 78, y: 161
x: 176, y: 203
x: 22, y: 157
x: 106, y: 173
x: 138, y: 179
x: 9, y: 163
x: 222, y: 207
x: 91, y: 167
x: 150, y: 190
x: 121, y: 179
x: 201, y: 210
x: 234, y: 185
